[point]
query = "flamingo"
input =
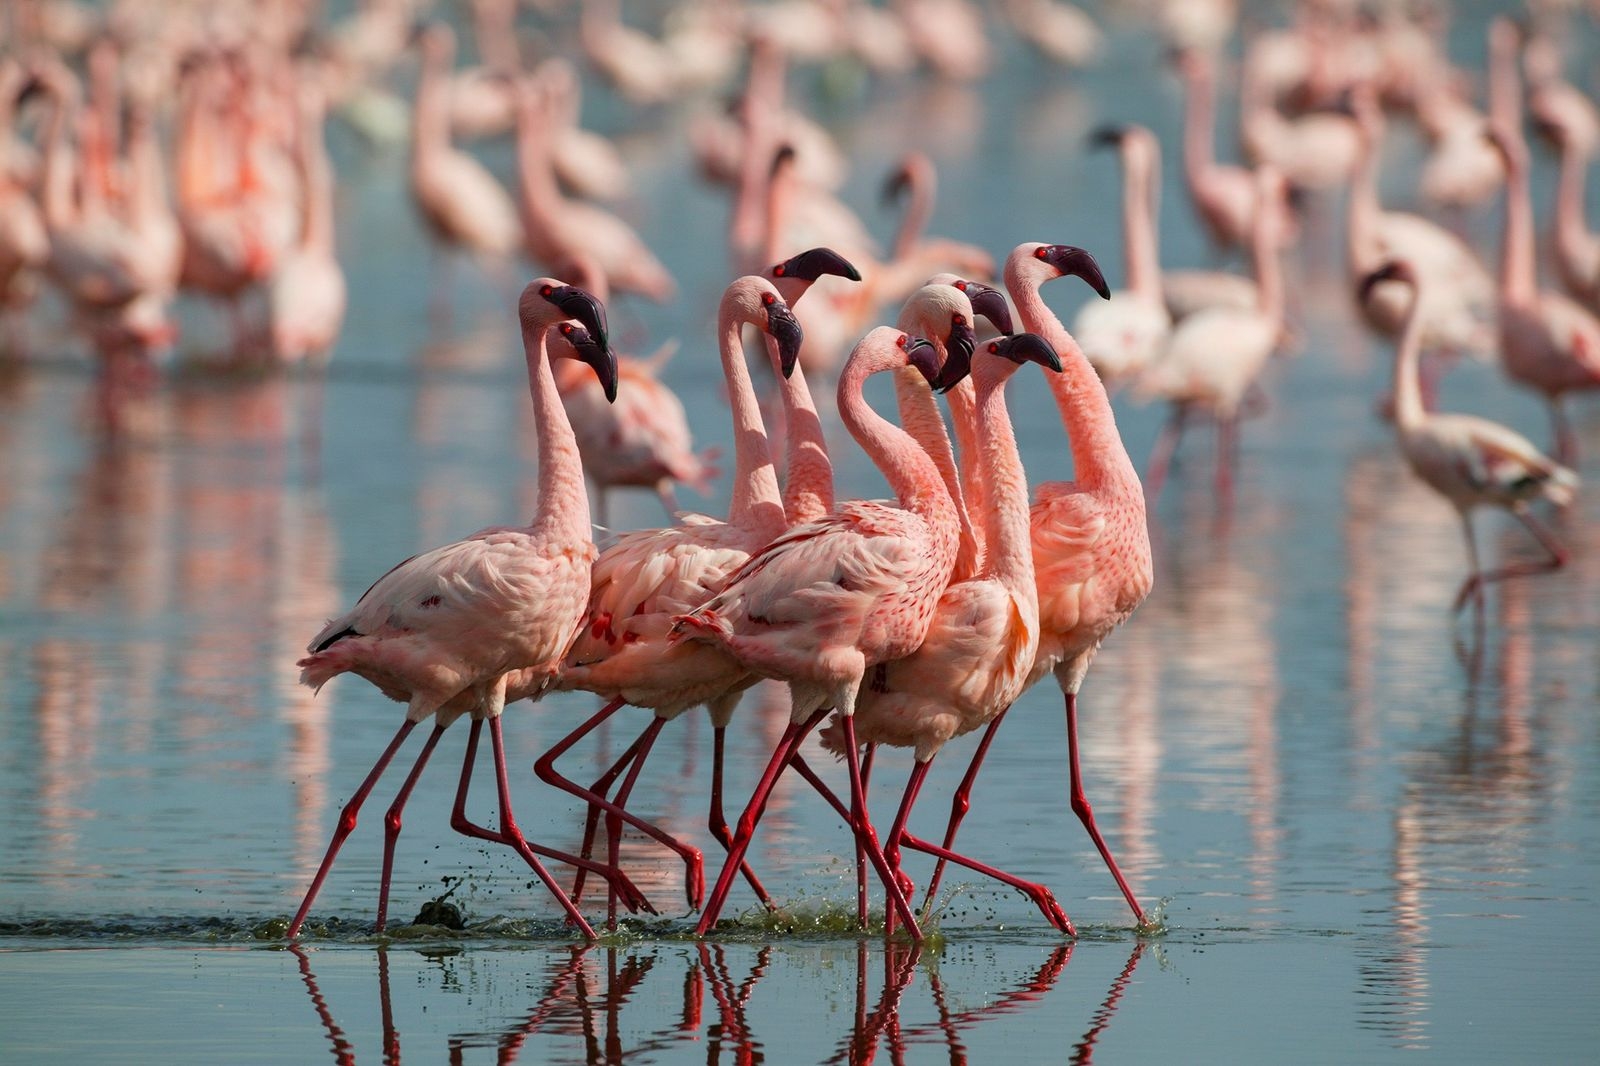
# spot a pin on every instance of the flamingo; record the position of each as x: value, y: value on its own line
x: 444, y: 630
x: 985, y: 633
x: 306, y: 296
x: 1548, y: 342
x: 1470, y: 461
x: 1316, y: 151
x: 914, y: 254
x: 1215, y: 356
x: 700, y: 554
x: 830, y: 599
x: 648, y: 577
x: 1123, y: 335
x: 460, y: 201
x: 1062, y: 33
x: 24, y: 240
x: 1091, y: 546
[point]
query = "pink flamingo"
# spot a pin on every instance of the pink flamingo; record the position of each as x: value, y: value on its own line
x: 639, y: 580
x: 985, y: 632
x: 913, y: 253
x: 1215, y: 356
x: 444, y: 630
x: 649, y: 576
x: 830, y: 599
x: 1125, y: 334
x: 306, y: 296
x: 1470, y: 461
x: 1091, y: 546
x: 1547, y: 342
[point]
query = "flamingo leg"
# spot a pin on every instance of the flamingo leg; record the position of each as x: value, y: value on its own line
x: 1227, y: 456
x: 1041, y: 896
x: 646, y: 741
x: 1085, y: 813
x: 391, y: 822
x: 782, y: 755
x: 694, y: 872
x: 347, y: 824
x: 869, y: 836
x: 1475, y: 584
x: 1161, y: 454
x: 891, y: 851
x: 461, y: 824
x: 1566, y: 447
x: 717, y: 822
x: 591, y: 820
x: 960, y: 804
x: 861, y: 855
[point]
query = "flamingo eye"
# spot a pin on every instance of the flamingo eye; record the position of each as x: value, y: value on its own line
x: 1039, y: 253
x: 958, y: 319
x: 961, y: 286
x: 546, y: 290
x: 901, y: 341
x: 779, y: 271
x: 566, y: 329
x: 994, y: 346
x: 767, y: 299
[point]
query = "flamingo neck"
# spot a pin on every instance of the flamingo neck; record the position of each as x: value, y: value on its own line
x: 1098, y: 456
x: 919, y: 210
x: 911, y: 474
x: 58, y: 200
x: 1264, y: 259
x: 808, y: 472
x: 1573, y: 238
x: 1409, y: 413
x: 562, y: 511
x: 1008, y: 556
x: 919, y: 417
x: 963, y: 402
x: 1139, y: 210
x: 1518, y: 279
x: 541, y: 199
x: 1199, y: 125
x: 1365, y: 210
x: 755, y: 503
x: 316, y: 219
x: 430, y: 119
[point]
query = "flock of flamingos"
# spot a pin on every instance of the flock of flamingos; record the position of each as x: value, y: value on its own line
x: 904, y: 622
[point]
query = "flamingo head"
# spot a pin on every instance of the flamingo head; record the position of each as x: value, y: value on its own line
x: 1110, y: 136
x: 815, y: 262
x: 922, y: 356
x: 1067, y: 259
x: 600, y: 358
x: 1393, y: 270
x: 988, y: 302
x: 1026, y: 348
x: 785, y: 329
x: 958, y: 349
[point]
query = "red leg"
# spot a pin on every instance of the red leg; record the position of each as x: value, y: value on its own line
x: 869, y: 836
x: 861, y: 855
x: 647, y: 740
x: 718, y: 823
x: 391, y: 822
x: 960, y: 804
x: 1080, y: 807
x: 1161, y: 454
x: 891, y: 852
x: 591, y: 819
x: 1474, y: 586
x: 793, y: 735
x: 346, y: 825
x: 1041, y: 896
x: 1227, y: 457
x: 694, y: 872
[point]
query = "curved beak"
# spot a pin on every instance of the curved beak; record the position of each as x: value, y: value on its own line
x: 1391, y: 271
x: 990, y: 303
x: 1079, y: 263
x: 957, y: 356
x: 1107, y: 136
x: 895, y: 184
x: 601, y: 359
x: 815, y: 262
x: 577, y: 304
x: 785, y: 329
x: 921, y: 354
x: 1027, y: 348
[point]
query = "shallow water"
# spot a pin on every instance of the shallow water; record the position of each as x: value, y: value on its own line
x: 1371, y: 831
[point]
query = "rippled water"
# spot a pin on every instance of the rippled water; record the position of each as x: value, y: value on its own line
x: 1370, y: 831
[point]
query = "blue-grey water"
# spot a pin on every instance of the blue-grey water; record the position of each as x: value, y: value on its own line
x: 1370, y: 832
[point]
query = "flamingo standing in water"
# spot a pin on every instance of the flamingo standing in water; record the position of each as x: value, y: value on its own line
x: 1091, y: 545
x: 1470, y: 461
x: 1547, y: 342
x: 445, y: 630
x: 830, y: 599
x: 985, y: 633
x: 649, y: 576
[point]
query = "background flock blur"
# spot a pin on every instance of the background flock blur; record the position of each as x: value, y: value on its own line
x: 168, y: 200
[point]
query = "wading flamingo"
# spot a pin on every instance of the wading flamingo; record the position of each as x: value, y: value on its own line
x: 444, y: 630
x: 1470, y: 461
x: 1091, y: 546
x: 831, y: 599
x: 985, y: 632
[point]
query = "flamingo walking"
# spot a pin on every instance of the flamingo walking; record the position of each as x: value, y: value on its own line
x: 1470, y: 461
x: 830, y: 599
x: 444, y: 630
x: 1091, y: 546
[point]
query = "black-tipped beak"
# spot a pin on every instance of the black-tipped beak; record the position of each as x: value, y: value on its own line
x: 921, y: 354
x: 1107, y: 136
x: 784, y: 154
x: 1027, y: 348
x: 815, y: 262
x: 957, y: 357
x: 785, y: 329
x: 895, y: 184
x: 1079, y: 263
x: 1391, y: 271
x: 583, y: 306
x: 990, y: 303
x: 601, y: 359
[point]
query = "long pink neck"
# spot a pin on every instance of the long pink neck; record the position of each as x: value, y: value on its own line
x: 541, y: 197
x: 919, y: 208
x: 1518, y: 280
x: 430, y: 121
x: 910, y: 473
x: 1199, y: 122
x: 755, y: 503
x: 60, y: 208
x: 919, y: 416
x: 808, y: 472
x: 1008, y: 546
x: 562, y: 512
x: 1099, y: 459
x: 1139, y: 221
x: 963, y: 402
x: 1409, y: 412
x: 1264, y: 258
x: 1573, y: 239
x: 1365, y: 209
x: 316, y: 233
